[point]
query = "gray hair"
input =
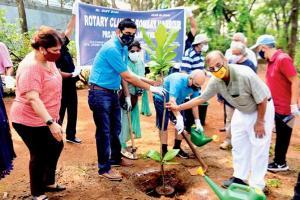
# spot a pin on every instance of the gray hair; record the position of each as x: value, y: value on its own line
x: 240, y: 35
x: 239, y: 46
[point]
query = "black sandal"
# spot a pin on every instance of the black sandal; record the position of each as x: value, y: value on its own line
x: 56, y: 188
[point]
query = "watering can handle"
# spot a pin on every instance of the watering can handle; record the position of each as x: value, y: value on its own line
x: 235, y: 186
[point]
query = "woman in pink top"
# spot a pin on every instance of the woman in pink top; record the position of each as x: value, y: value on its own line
x: 35, y: 110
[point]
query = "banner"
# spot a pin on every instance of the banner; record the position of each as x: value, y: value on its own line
x: 96, y: 25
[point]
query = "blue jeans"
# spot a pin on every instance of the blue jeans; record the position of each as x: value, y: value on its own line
x: 107, y: 117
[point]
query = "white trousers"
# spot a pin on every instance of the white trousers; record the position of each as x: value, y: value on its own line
x: 251, y: 154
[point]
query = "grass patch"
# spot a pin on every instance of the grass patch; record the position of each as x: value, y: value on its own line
x: 273, y: 183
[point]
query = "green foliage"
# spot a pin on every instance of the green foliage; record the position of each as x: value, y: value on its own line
x: 273, y: 183
x: 155, y: 155
x: 17, y: 43
x: 161, y: 51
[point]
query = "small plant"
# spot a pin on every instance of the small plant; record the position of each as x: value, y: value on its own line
x: 273, y: 183
x: 155, y: 155
x: 162, y: 51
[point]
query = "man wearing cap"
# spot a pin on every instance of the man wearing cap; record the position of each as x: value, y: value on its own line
x: 193, y: 58
x: 252, y: 121
x: 240, y: 37
x: 282, y: 79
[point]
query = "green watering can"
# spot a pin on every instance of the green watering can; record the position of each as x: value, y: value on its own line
x: 236, y: 191
x: 199, y: 138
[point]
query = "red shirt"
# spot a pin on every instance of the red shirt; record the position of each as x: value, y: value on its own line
x: 31, y: 76
x: 280, y: 67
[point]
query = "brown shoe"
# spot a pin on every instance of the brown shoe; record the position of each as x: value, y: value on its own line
x: 124, y: 163
x: 112, y: 175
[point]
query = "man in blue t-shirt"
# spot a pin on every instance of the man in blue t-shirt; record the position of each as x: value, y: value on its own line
x: 179, y: 86
x: 109, y: 67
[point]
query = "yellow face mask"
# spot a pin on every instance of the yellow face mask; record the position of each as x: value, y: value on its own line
x: 220, y: 73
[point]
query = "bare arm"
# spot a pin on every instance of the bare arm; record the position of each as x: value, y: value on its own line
x: 260, y: 121
x: 125, y: 88
x: 9, y: 71
x: 37, y: 105
x: 66, y: 74
x: 134, y: 80
x: 295, y: 89
x: 193, y: 25
x: 195, y: 112
x: 173, y: 101
x: 40, y: 109
x: 191, y: 103
x: 70, y: 26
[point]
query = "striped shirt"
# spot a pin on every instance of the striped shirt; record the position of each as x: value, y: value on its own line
x: 191, y: 61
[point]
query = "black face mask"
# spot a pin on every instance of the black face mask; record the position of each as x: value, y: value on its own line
x: 127, y: 39
x: 262, y: 54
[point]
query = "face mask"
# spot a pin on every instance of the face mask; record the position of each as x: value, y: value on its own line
x: 234, y: 58
x: 134, y: 57
x: 52, y: 57
x: 205, y: 48
x: 194, y: 87
x: 220, y: 73
x: 127, y: 39
x: 262, y: 54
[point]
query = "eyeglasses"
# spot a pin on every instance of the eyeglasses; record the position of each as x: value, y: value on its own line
x: 215, y: 68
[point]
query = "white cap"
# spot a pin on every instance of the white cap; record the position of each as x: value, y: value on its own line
x: 200, y: 38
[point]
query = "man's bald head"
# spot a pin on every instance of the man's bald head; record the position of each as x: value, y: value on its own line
x: 198, y: 76
x: 214, y: 56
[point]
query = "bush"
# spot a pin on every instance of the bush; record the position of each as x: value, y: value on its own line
x: 17, y: 43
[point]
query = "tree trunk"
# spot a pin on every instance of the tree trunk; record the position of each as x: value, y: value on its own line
x: 294, y: 28
x: 113, y: 4
x: 22, y: 15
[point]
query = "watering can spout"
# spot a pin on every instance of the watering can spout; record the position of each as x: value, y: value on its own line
x: 219, y: 191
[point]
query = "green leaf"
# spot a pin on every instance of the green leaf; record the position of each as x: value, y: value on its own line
x: 153, y: 64
x: 169, y: 56
x: 147, y: 38
x: 170, y: 154
x: 160, y: 35
x: 154, y: 155
x: 171, y: 37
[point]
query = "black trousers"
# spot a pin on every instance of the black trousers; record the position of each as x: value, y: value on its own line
x: 297, y: 189
x: 44, y: 153
x: 69, y: 103
x: 283, y: 137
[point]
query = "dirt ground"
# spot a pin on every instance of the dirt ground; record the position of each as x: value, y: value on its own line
x: 77, y: 168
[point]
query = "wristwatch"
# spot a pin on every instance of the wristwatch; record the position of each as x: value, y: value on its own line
x: 49, y: 122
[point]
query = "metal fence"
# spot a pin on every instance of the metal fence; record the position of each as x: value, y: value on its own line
x: 54, y: 3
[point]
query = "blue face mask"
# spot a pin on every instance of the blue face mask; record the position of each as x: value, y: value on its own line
x: 262, y: 54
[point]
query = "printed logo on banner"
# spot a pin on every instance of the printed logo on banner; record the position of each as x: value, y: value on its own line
x: 96, y: 25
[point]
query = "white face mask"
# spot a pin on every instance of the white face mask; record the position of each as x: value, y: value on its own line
x: 134, y: 57
x: 205, y: 48
x: 234, y: 59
